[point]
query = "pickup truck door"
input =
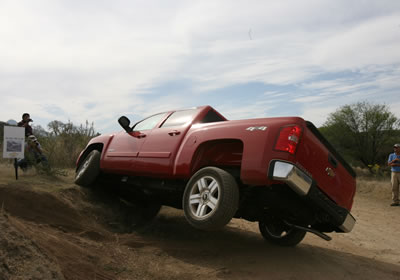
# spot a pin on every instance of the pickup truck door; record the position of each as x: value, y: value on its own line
x: 124, y: 148
x: 157, y: 154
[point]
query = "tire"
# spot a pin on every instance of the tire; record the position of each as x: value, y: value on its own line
x: 88, y: 170
x: 278, y: 233
x: 211, y: 198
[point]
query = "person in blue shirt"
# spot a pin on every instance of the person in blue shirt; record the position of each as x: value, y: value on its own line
x: 394, y: 163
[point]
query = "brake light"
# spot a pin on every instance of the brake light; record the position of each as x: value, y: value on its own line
x: 288, y: 139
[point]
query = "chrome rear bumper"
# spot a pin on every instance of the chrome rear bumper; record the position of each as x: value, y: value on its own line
x: 296, y: 179
x: 304, y: 186
x: 348, y: 223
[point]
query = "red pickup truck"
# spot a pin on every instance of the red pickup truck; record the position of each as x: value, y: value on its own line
x: 280, y: 172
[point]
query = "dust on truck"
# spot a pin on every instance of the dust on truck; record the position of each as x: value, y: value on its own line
x: 280, y: 172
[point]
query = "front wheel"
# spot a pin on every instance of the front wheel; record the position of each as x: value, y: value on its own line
x: 88, y: 170
x: 210, y: 199
x: 279, y: 233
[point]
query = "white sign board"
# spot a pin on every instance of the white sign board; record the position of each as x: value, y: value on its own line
x: 14, y: 142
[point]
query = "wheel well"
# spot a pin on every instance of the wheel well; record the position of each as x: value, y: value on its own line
x: 224, y: 153
x: 96, y: 146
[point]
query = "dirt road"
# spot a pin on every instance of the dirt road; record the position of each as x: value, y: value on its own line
x: 52, y: 229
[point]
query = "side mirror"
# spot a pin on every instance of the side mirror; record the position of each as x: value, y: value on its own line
x: 125, y: 122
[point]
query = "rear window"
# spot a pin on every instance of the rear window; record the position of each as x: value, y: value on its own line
x: 180, y: 118
x: 212, y: 116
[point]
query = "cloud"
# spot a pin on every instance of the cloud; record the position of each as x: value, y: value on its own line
x: 95, y: 60
x: 317, y: 115
x: 258, y: 109
x: 374, y: 41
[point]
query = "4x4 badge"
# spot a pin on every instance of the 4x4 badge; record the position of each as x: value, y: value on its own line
x: 252, y: 128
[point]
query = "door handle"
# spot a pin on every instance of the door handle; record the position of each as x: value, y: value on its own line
x: 174, y: 132
x: 141, y: 135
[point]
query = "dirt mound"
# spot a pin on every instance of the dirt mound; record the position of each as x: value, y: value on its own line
x: 53, y: 229
x: 48, y: 232
x: 20, y: 256
x: 39, y: 207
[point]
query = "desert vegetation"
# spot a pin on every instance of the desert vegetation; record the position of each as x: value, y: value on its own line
x: 364, y: 134
x: 61, y: 143
x: 64, y: 141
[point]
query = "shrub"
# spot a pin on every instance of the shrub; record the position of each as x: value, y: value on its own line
x: 64, y: 142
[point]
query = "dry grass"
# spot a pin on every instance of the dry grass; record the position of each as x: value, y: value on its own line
x: 34, y: 179
x: 375, y: 188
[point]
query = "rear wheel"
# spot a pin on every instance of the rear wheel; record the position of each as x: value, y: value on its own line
x: 88, y: 170
x: 279, y: 233
x: 210, y: 199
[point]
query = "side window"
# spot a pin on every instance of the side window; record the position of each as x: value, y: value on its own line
x: 180, y: 118
x: 149, y: 123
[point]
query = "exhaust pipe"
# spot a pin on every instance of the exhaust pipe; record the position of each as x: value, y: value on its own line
x: 316, y: 232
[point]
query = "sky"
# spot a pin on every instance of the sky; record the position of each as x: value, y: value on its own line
x: 95, y: 60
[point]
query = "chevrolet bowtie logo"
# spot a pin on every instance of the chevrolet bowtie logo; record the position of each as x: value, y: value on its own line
x: 330, y: 172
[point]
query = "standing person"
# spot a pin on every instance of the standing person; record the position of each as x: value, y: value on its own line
x: 26, y: 119
x: 394, y: 163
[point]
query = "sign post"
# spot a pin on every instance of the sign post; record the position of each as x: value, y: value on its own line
x: 16, y: 168
x: 14, y: 144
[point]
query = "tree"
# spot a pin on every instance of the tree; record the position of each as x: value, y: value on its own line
x: 361, y: 132
x: 39, y: 131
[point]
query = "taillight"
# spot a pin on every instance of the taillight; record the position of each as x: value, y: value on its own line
x: 288, y: 139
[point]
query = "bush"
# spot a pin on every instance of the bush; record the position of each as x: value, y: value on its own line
x: 64, y: 142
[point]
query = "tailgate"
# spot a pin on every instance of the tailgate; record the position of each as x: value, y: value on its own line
x: 333, y: 174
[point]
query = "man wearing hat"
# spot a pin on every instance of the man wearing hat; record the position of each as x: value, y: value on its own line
x: 394, y: 163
